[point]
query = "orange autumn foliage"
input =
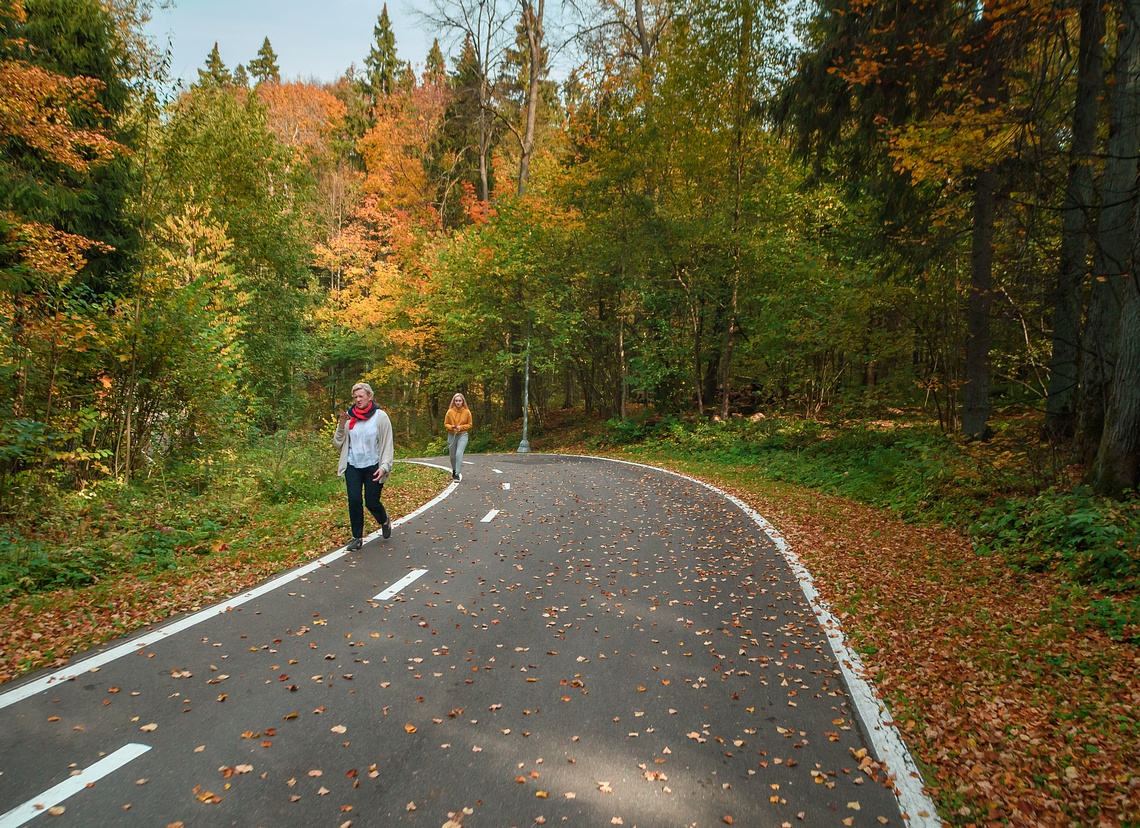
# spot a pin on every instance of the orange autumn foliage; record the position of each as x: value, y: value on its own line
x: 397, y: 151
x: 303, y: 116
x: 38, y: 109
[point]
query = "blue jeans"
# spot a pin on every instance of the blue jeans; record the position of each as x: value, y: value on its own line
x: 363, y: 491
x: 456, y: 445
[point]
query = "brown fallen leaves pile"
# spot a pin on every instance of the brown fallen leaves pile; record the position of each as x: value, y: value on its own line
x: 45, y: 630
x: 1017, y: 716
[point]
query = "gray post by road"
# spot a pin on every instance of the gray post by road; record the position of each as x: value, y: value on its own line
x: 524, y: 444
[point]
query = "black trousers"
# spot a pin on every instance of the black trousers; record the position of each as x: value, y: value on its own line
x: 363, y: 491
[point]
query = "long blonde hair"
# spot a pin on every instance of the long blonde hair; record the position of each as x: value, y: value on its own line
x: 459, y: 396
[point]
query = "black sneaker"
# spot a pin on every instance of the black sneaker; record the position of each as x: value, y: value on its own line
x: 354, y: 544
x: 454, y: 476
x: 386, y: 529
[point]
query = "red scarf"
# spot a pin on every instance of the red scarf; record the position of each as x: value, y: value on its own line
x: 356, y: 415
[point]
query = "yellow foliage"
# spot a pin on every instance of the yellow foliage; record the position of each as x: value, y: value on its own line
x: 973, y: 136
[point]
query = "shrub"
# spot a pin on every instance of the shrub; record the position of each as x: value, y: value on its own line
x: 1095, y: 539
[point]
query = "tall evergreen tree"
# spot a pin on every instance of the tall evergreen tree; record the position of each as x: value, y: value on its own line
x: 264, y: 67
x: 215, y: 73
x: 466, y: 128
x: 435, y: 67
x: 382, y: 67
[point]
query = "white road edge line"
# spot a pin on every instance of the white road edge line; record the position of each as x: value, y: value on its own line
x: 889, y: 747
x: 148, y: 639
x: 396, y: 587
x: 487, y: 518
x: 56, y: 794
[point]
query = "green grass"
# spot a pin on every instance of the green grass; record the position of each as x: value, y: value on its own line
x: 55, y: 538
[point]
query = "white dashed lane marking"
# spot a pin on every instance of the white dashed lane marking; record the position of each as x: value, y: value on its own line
x: 487, y: 518
x: 506, y: 485
x: 400, y: 584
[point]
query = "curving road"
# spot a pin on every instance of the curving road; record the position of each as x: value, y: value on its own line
x: 557, y: 641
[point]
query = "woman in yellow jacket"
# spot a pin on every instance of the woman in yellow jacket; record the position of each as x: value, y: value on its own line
x: 457, y: 421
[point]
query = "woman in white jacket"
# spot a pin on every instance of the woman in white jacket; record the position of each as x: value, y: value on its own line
x: 364, y: 437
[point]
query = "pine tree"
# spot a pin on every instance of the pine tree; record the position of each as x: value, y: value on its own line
x: 382, y: 65
x: 406, y: 79
x: 264, y: 67
x: 215, y: 73
x: 241, y: 77
x: 436, y: 67
x: 469, y: 129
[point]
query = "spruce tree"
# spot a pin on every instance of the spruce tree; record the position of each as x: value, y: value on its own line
x: 264, y: 67
x: 436, y: 66
x: 382, y: 65
x: 215, y: 73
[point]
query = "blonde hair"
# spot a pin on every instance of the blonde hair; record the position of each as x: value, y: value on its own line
x: 459, y: 396
x: 365, y: 386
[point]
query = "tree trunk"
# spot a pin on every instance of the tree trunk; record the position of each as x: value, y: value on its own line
x: 1118, y: 453
x: 976, y: 404
x: 740, y: 107
x: 532, y: 23
x: 485, y: 115
x: 1076, y: 228
x: 1114, y: 234
x: 1117, y: 466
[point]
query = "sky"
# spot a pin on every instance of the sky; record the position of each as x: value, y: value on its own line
x: 312, y: 38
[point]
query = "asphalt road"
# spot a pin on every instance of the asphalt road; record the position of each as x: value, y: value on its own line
x: 573, y: 642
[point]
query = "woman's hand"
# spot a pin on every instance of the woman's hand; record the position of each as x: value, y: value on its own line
x: 342, y: 417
